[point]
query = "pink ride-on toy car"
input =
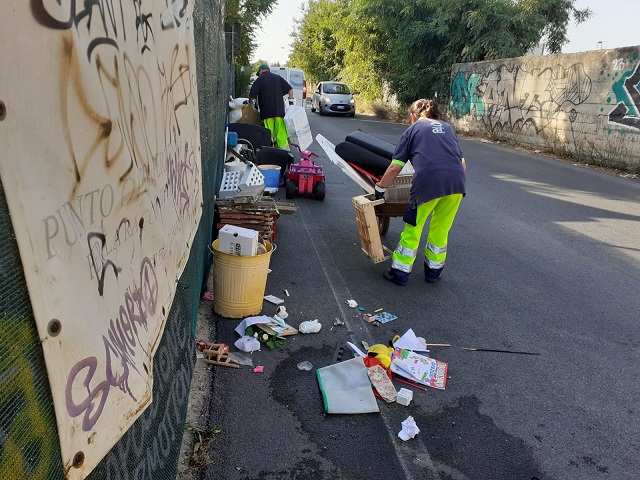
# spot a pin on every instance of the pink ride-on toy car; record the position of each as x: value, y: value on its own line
x: 305, y: 177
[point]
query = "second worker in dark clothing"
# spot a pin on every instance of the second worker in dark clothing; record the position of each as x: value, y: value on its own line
x: 270, y: 89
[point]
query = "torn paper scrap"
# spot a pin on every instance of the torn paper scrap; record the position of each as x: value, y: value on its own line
x: 409, y: 429
x: 410, y: 341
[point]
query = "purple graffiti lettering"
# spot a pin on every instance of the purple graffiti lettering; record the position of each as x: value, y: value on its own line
x: 101, y: 392
x: 120, y: 344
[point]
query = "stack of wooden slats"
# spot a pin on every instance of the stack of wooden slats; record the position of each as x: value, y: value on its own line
x: 260, y: 216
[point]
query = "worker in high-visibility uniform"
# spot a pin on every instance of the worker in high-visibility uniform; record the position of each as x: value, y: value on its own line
x: 437, y: 188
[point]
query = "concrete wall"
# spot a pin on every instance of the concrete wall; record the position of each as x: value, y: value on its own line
x: 586, y: 105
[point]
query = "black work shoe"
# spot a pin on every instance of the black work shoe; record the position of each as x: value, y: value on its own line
x: 392, y: 278
x: 431, y: 275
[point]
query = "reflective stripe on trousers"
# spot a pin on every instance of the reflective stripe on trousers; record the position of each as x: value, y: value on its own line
x: 443, y: 211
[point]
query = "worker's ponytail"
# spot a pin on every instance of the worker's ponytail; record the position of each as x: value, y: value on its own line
x: 425, y: 108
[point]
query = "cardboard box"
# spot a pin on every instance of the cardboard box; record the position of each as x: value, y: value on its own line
x: 238, y: 241
x: 250, y: 115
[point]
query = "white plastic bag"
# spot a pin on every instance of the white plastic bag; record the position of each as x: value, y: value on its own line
x: 310, y: 326
x: 298, y: 129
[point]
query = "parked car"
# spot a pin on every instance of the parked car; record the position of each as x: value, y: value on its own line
x: 333, y: 97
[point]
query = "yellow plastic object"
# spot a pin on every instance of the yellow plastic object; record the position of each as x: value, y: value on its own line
x: 239, y: 282
x: 382, y: 353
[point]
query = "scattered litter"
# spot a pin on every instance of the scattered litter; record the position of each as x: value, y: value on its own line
x: 404, y: 397
x: 382, y: 383
x: 258, y: 369
x: 307, y: 366
x: 361, y: 309
x: 410, y: 341
x: 346, y: 388
x: 281, y: 312
x: 201, y: 345
x: 338, y: 322
x: 247, y: 344
x: 310, y: 326
x: 241, y: 359
x: 536, y: 151
x: 382, y: 353
x: 218, y: 354
x: 378, y: 310
x: 385, y: 317
x: 352, y: 303
x: 286, y: 292
x: 207, y: 296
x: 411, y: 383
x: 409, y: 429
x: 630, y: 175
x: 365, y: 345
x: 424, y: 370
x: 356, y: 349
x: 273, y: 299
x: 499, y: 351
x: 368, y: 318
x: 199, y: 355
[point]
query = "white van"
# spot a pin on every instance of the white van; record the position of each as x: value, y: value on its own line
x: 297, y: 80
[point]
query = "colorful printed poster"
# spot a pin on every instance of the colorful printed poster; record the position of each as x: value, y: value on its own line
x: 425, y: 370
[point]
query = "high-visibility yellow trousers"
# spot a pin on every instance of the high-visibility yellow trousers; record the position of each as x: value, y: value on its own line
x: 443, y: 212
x: 279, y: 135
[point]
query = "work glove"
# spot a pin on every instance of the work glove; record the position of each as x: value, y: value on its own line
x: 379, y: 192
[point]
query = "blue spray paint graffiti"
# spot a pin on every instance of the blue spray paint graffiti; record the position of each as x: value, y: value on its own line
x: 627, y: 111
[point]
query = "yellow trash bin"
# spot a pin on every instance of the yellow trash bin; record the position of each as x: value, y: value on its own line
x: 239, y: 282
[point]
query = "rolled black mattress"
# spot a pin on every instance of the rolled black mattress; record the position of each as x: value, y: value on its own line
x: 374, y: 144
x: 366, y: 159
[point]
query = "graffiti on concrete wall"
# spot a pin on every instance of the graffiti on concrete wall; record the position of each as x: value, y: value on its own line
x: 102, y: 174
x: 626, y: 112
x: 512, y: 96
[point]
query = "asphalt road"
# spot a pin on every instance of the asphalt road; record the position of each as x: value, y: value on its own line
x: 543, y: 257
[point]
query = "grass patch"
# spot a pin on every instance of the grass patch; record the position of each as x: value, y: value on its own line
x: 198, y: 457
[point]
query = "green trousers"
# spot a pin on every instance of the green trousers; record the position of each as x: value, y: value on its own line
x: 443, y: 211
x: 278, y: 129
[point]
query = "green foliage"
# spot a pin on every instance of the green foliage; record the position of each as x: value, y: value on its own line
x: 247, y: 15
x: 409, y: 46
x: 242, y: 80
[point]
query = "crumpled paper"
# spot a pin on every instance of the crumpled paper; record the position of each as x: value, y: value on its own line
x: 409, y: 429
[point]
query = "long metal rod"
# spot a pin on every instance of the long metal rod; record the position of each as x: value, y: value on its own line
x: 499, y: 351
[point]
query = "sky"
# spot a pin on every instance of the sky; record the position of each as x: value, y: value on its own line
x: 614, y: 23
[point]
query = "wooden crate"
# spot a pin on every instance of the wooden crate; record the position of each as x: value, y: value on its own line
x: 364, y: 206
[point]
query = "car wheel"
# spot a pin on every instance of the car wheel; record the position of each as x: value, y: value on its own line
x: 320, y: 112
x: 320, y: 190
x: 352, y: 114
x: 291, y: 188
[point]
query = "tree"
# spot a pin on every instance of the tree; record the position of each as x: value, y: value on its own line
x: 246, y: 15
x: 411, y: 45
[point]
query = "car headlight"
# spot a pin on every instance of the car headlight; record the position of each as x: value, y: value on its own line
x: 326, y: 99
x: 352, y: 101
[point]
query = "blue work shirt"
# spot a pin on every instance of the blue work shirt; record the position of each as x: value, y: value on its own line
x: 432, y: 147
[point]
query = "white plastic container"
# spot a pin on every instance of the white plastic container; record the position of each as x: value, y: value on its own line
x: 404, y: 397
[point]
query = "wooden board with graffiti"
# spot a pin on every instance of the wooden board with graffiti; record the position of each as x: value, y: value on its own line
x: 102, y: 172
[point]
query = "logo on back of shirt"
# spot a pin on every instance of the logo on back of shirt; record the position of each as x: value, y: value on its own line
x: 436, y: 127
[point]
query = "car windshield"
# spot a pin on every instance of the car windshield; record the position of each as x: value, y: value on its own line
x: 339, y: 88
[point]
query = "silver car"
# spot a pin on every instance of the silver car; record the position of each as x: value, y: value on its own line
x: 333, y: 97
